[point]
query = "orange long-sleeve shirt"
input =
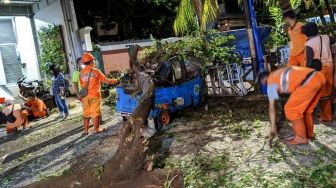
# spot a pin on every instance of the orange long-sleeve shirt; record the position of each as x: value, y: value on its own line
x: 297, y: 39
x: 38, y: 108
x: 97, y: 77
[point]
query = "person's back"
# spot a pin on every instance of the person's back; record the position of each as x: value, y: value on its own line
x: 96, y: 78
x: 15, y: 116
x: 324, y: 52
x: 90, y: 80
x: 37, y: 107
x: 297, y: 39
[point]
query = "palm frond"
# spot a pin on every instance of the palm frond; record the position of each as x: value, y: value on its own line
x: 210, y: 9
x: 185, y: 17
x: 272, y: 3
x: 295, y: 3
x: 309, y: 4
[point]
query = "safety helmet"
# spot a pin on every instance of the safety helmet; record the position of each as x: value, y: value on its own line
x: 87, y: 57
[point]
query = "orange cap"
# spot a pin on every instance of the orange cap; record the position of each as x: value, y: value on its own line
x: 87, y: 57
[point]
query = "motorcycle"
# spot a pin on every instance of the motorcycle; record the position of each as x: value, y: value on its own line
x: 38, y: 87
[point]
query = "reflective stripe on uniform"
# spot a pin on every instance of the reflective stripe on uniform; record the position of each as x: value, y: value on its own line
x: 284, y: 79
x: 85, y: 76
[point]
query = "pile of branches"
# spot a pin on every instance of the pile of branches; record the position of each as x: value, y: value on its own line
x: 216, y: 47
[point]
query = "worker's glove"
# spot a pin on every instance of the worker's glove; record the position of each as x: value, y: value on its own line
x: 115, y: 82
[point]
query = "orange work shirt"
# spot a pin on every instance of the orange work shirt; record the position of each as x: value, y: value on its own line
x: 97, y: 77
x: 297, y: 39
x: 38, y: 108
x: 288, y: 83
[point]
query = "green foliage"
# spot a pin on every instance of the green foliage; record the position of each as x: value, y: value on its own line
x: 197, y: 171
x: 329, y: 29
x: 194, y: 11
x: 218, y: 49
x: 52, y: 48
x: 278, y: 35
x: 216, y: 172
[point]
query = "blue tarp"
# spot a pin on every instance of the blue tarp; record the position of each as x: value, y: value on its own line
x: 241, y: 42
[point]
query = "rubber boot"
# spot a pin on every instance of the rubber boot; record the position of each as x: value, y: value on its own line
x: 326, y: 108
x: 86, y: 126
x: 300, y: 132
x: 309, y: 122
x: 96, y: 123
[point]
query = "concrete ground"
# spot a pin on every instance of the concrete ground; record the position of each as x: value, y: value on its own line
x: 52, y: 146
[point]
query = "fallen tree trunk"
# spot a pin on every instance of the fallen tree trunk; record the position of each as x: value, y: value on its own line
x: 126, y: 168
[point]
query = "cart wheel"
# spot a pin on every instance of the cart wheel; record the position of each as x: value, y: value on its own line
x: 163, y: 119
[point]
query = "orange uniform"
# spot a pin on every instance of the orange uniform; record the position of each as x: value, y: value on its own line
x: 305, y: 86
x: 297, y: 45
x: 327, y: 70
x: 20, y: 115
x: 92, y: 102
x: 37, y: 107
x: 91, y: 78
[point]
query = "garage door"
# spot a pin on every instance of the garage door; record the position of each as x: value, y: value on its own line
x: 11, y: 63
x: 10, y: 60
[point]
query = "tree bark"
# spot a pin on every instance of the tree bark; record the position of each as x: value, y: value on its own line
x: 126, y: 168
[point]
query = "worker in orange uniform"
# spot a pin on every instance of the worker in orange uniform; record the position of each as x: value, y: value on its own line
x: 38, y: 109
x: 16, y: 116
x: 318, y: 47
x: 90, y: 81
x: 297, y: 39
x: 305, y: 86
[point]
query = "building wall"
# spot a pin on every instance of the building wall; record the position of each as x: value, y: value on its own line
x: 26, y: 48
x: 115, y: 60
x: 53, y: 14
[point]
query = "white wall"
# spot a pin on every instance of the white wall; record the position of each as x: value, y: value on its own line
x: 26, y: 48
x: 53, y: 14
x: 2, y: 73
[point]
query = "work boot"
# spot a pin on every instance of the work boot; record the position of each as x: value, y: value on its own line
x: 96, y: 123
x: 309, y: 122
x: 86, y: 126
x: 300, y: 133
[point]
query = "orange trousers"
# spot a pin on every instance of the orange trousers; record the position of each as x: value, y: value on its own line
x: 91, y: 107
x: 298, y: 60
x: 21, y: 119
x: 303, y: 100
x: 326, y: 105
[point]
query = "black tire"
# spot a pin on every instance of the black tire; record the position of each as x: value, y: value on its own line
x: 163, y: 119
